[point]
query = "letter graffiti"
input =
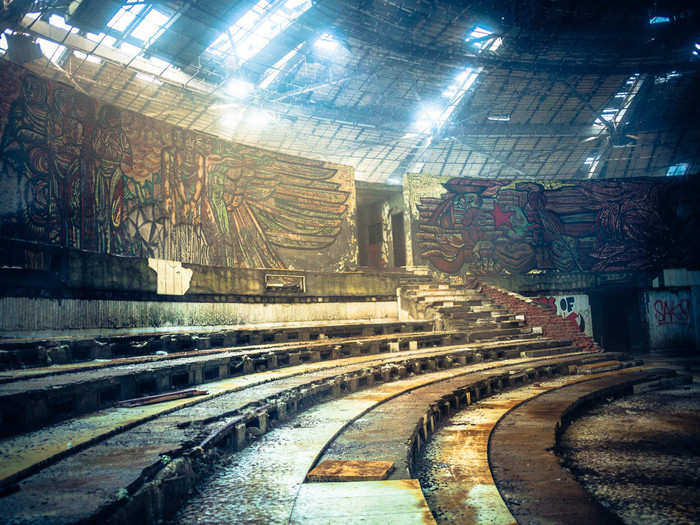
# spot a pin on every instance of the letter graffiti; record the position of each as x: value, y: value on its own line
x: 672, y: 312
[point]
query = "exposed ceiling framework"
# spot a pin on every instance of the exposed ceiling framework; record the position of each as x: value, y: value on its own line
x: 527, y: 88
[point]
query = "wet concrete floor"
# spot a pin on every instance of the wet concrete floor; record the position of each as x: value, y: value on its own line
x: 453, y: 468
x: 640, y: 456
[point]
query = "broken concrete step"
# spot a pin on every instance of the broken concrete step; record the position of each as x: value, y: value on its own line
x: 596, y: 368
x: 551, y: 351
x: 15, y: 354
x: 396, y: 430
x: 33, y: 402
x: 452, y: 302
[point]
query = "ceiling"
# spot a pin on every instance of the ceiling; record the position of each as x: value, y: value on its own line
x: 525, y: 88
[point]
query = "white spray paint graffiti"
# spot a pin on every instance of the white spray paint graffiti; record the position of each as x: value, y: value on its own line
x: 572, y: 306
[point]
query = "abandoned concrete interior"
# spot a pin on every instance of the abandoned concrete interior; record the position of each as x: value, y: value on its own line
x: 332, y: 261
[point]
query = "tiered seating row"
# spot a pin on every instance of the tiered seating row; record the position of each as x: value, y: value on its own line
x: 195, y: 435
x: 21, y: 353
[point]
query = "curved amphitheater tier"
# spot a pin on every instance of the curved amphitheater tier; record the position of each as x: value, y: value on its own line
x: 128, y: 436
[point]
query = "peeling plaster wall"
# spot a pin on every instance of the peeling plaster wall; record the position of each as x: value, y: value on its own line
x: 572, y: 306
x: 77, y: 173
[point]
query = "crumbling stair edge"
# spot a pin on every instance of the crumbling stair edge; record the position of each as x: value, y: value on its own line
x: 538, y: 314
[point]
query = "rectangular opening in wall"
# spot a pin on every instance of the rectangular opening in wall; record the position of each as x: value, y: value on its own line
x: 399, y: 239
x: 110, y: 395
x: 211, y: 373
x: 284, y: 283
x: 180, y: 380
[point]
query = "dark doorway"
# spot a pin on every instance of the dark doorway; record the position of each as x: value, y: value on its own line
x: 399, y: 239
x: 618, y: 321
x: 374, y: 248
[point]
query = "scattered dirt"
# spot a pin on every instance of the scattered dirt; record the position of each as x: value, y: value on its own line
x: 640, y: 456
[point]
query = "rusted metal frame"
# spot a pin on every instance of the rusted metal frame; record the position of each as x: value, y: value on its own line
x: 160, y: 398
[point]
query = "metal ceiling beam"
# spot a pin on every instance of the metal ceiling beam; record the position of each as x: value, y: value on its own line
x: 307, y: 89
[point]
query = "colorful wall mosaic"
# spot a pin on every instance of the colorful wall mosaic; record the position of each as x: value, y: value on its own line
x: 518, y: 226
x: 78, y: 173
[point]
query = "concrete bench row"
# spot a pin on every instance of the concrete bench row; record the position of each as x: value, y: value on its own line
x: 397, y: 430
x: 17, y: 353
x: 34, y: 402
x: 240, y: 415
x: 179, y: 457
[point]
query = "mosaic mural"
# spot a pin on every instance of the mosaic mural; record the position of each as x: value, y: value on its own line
x: 509, y: 227
x: 81, y: 174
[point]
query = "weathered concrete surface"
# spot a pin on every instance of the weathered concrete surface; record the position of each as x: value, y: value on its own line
x: 35, y: 313
x: 133, y: 342
x: 44, y: 399
x: 23, y: 452
x: 395, y: 430
x: 397, y: 502
x: 528, y: 474
x: 351, y: 470
x: 640, y: 455
x: 147, y: 444
x: 454, y: 470
x: 260, y: 483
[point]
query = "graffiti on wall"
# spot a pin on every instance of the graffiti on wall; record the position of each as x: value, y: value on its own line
x: 574, y: 307
x: 77, y: 173
x: 672, y: 311
x: 511, y: 227
x: 671, y: 319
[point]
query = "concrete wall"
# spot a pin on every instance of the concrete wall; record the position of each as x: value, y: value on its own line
x: 672, y: 319
x: 22, y: 314
x: 574, y: 306
x: 80, y: 174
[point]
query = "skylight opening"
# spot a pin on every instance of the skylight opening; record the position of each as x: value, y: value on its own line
x: 252, y: 32
x: 238, y: 88
x: 3, y: 42
x: 592, y: 163
x: 148, y: 78
x: 677, y: 169
x: 125, y: 16
x: 662, y: 79
x: 275, y: 70
x: 60, y: 22
x: 130, y: 50
x: 499, y: 118
x: 484, y: 39
x: 151, y: 27
x: 101, y: 38
x: 51, y: 50
x: 659, y: 20
x: 88, y: 58
x: 326, y: 42
x: 620, y: 102
x: 434, y: 117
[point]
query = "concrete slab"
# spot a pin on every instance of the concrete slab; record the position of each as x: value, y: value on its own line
x: 351, y: 470
x: 594, y: 368
x: 387, y: 502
